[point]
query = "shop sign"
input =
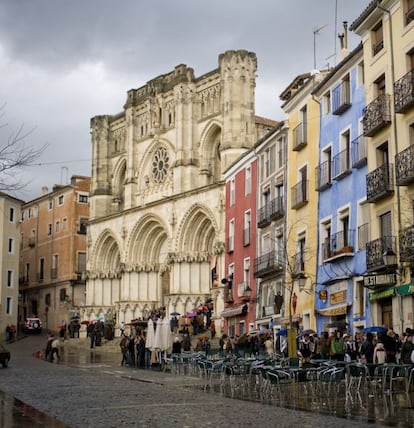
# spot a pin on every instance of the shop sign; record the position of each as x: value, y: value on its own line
x: 338, y: 297
x: 405, y: 289
x: 387, y: 292
x: 372, y: 281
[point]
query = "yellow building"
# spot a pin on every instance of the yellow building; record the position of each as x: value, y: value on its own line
x: 386, y: 28
x: 302, y: 199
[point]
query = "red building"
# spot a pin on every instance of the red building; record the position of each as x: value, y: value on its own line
x: 239, y: 313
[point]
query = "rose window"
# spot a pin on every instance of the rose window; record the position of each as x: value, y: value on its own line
x: 160, y: 165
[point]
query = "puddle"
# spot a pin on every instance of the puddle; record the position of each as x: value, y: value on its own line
x: 15, y: 413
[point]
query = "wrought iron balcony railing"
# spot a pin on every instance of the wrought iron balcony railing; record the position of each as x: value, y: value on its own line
x: 341, y: 98
x: 404, y: 167
x: 377, y: 115
x: 268, y: 263
x: 338, y: 245
x: 342, y: 164
x: 376, y: 47
x: 404, y: 93
x: 273, y: 210
x: 359, y: 151
x: 300, y: 194
x: 228, y: 294
x: 406, y: 240
x: 380, y: 183
x: 323, y: 176
x: 375, y: 252
x: 300, y: 136
x: 409, y: 16
x: 298, y: 263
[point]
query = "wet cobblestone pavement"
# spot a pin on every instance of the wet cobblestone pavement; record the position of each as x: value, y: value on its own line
x: 90, y: 388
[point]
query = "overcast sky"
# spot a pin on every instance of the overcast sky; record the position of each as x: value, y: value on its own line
x: 63, y: 62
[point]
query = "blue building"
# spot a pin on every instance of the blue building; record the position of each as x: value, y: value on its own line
x: 341, y: 301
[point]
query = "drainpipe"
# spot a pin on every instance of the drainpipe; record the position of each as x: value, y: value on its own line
x: 394, y: 119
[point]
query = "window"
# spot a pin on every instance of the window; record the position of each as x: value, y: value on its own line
x: 9, y: 278
x: 281, y: 150
x: 55, y: 265
x: 57, y: 226
x: 409, y: 11
x: 9, y: 305
x: 300, y: 255
x: 361, y: 73
x: 83, y: 222
x: 26, y: 272
x: 83, y: 199
x: 64, y: 223
x: 11, y: 215
x: 49, y: 229
x: 47, y: 299
x: 41, y: 269
x: 380, y: 85
x: 230, y: 246
x: 363, y: 225
x: 385, y: 225
x: 232, y: 191
x: 248, y: 184
x: 359, y: 304
x: 81, y: 262
x: 11, y: 245
x: 60, y: 200
x: 343, y: 236
x: 246, y: 273
x: 62, y: 294
x: 326, y: 240
x: 50, y: 204
x: 327, y: 102
x: 30, y: 213
x: 22, y: 216
x: 246, y: 229
x: 377, y: 38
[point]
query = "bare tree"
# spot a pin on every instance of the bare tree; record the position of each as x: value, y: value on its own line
x: 15, y: 154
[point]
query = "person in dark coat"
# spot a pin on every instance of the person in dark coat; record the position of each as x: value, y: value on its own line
x: 176, y: 347
x: 390, y: 345
x: 367, y: 349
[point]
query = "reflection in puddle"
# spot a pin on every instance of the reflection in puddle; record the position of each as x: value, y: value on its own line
x: 15, y: 413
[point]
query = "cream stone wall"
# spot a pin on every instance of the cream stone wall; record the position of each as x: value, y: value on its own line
x: 157, y: 205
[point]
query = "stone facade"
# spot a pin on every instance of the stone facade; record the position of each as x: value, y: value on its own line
x: 157, y: 202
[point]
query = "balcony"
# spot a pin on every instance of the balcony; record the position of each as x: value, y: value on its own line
x: 244, y: 291
x: 300, y: 136
x: 323, y: 176
x: 377, y: 47
x: 409, y: 16
x: 298, y: 263
x: 359, y: 152
x: 266, y: 264
x: 338, y: 245
x: 377, y: 115
x: 32, y: 242
x: 404, y: 93
x: 376, y: 250
x: 300, y: 194
x: 273, y: 210
x: 342, y: 165
x: 404, y: 167
x: 341, y: 98
x: 406, y: 240
x: 380, y: 183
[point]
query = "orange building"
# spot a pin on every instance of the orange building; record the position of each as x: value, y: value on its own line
x: 53, y: 253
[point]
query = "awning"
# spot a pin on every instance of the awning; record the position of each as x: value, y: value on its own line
x: 232, y: 312
x: 333, y: 311
x: 405, y: 289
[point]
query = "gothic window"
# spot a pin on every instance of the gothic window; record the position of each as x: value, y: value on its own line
x: 160, y: 165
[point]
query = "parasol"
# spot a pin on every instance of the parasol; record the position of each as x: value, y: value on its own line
x: 374, y: 329
x: 282, y: 332
x: 192, y: 314
x: 175, y: 314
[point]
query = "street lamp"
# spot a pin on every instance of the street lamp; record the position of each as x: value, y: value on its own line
x: 389, y: 257
x: 301, y: 279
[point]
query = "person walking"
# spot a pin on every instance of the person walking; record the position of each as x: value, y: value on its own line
x: 124, y: 350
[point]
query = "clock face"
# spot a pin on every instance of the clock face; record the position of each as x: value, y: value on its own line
x: 160, y: 165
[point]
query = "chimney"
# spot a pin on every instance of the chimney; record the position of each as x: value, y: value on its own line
x: 343, y: 39
x: 45, y: 190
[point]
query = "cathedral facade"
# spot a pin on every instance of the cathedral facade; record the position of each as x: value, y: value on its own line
x: 156, y: 236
